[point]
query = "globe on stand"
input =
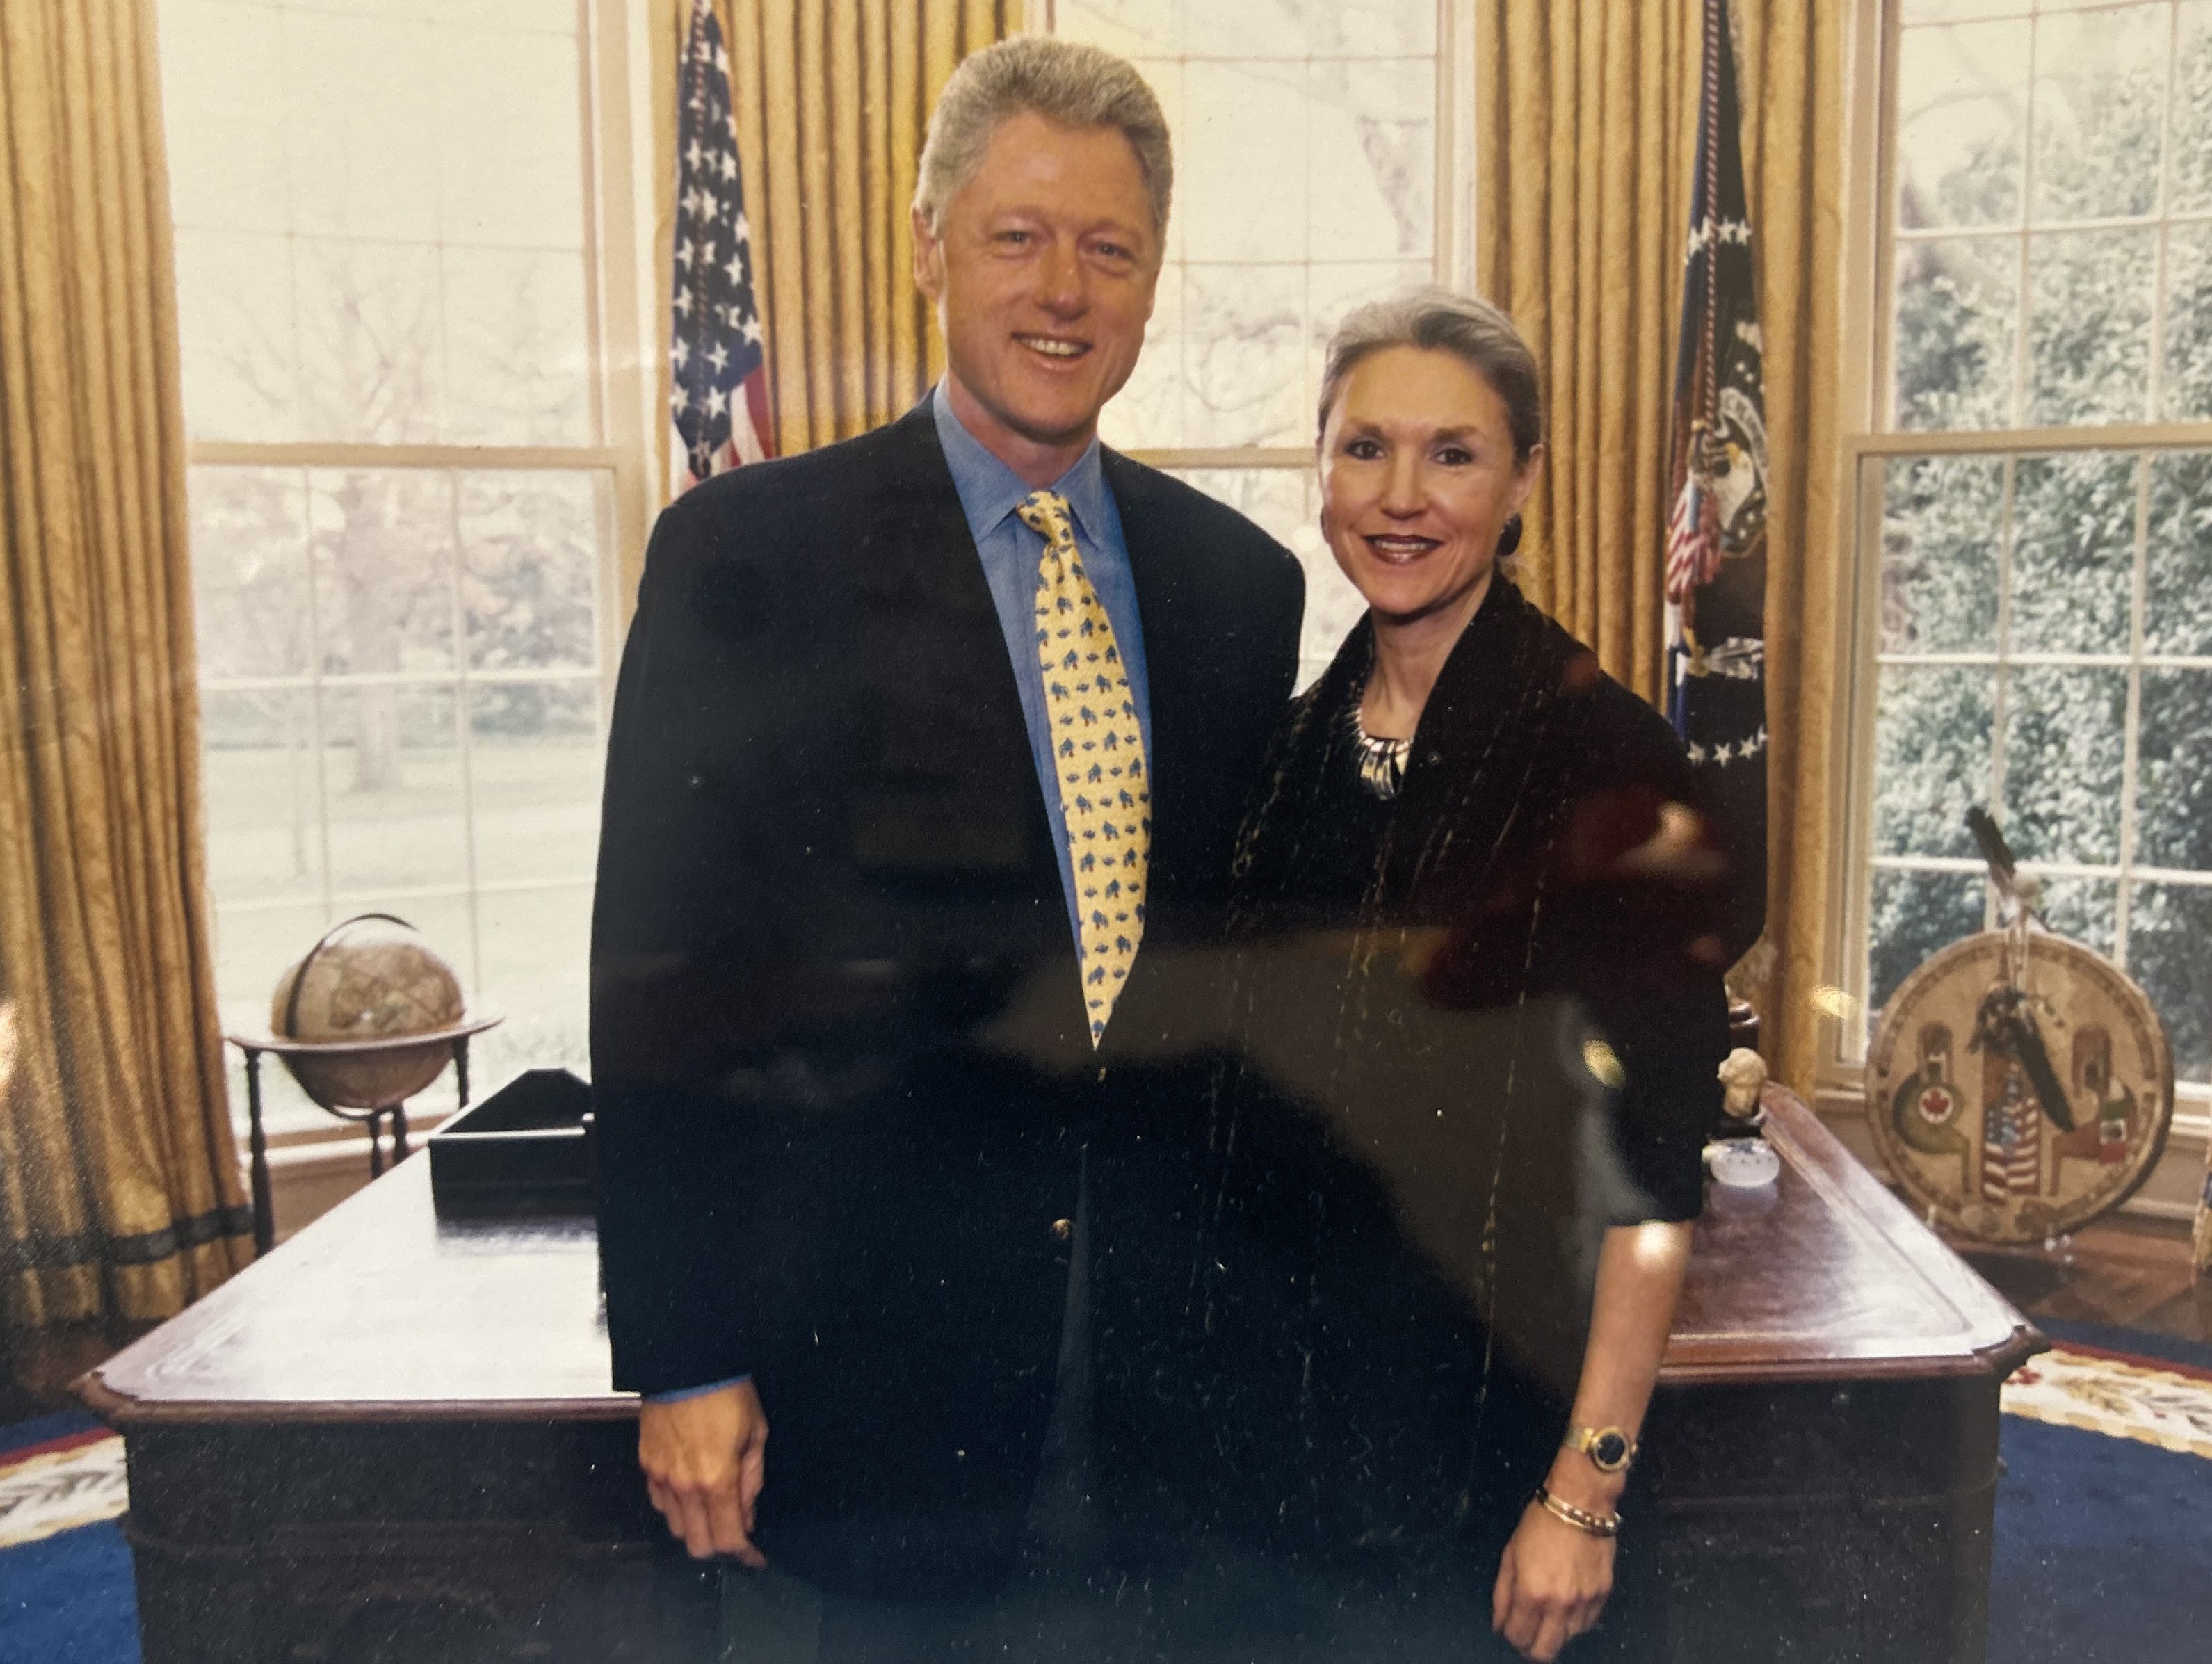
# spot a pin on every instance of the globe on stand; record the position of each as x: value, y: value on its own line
x: 368, y: 1017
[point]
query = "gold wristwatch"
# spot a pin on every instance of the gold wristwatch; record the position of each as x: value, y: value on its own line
x: 1609, y: 1448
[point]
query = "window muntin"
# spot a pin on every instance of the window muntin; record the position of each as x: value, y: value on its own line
x: 1306, y: 146
x: 2038, y: 638
x: 404, y: 527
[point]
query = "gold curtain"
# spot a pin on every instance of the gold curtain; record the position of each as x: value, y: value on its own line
x: 831, y: 100
x: 1587, y: 135
x: 120, y: 1189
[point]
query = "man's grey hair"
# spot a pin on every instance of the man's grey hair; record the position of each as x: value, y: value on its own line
x: 1437, y: 320
x: 1068, y: 83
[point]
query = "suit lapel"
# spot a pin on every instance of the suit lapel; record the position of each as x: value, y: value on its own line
x: 1159, y: 570
x: 949, y: 717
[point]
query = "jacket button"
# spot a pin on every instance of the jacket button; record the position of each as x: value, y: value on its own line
x: 1063, y: 1228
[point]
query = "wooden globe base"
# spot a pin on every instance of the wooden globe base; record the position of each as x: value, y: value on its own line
x: 366, y: 1081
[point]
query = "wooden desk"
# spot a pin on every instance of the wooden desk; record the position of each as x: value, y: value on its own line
x: 394, y: 1440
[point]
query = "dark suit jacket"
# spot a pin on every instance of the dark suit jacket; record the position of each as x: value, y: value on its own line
x: 843, y: 1082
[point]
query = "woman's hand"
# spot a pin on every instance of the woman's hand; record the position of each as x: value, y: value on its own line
x: 1552, y: 1584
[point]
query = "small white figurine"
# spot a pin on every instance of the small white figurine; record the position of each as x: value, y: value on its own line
x: 1743, y: 1077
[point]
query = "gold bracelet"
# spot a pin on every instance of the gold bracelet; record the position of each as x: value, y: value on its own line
x: 1598, y: 1525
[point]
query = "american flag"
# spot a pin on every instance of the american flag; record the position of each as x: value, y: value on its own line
x: 718, y: 369
x: 1716, y: 553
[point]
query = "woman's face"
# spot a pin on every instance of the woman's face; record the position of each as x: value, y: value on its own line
x: 1417, y: 477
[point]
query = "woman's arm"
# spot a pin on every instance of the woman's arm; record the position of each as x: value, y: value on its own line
x: 1554, y: 1578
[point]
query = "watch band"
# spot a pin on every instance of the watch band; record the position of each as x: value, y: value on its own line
x: 1597, y: 1525
x: 1610, y: 1451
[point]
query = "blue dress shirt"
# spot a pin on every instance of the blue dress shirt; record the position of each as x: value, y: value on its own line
x: 1012, y: 555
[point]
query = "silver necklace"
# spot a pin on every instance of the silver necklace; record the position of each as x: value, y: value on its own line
x: 1381, y: 762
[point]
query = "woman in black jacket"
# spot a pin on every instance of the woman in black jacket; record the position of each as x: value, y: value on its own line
x: 1477, y: 1013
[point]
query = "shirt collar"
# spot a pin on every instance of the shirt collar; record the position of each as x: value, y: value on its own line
x: 989, y: 490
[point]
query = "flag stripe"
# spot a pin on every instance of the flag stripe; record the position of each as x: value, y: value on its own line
x: 718, y: 366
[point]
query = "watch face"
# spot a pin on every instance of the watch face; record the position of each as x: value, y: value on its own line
x: 1610, y: 1450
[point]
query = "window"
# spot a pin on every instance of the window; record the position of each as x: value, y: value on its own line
x: 2036, y: 498
x: 1308, y: 143
x: 404, y: 489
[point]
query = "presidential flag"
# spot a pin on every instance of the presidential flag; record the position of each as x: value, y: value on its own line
x: 1716, y: 555
x: 718, y: 369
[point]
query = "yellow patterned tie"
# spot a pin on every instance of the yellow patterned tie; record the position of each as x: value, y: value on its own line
x: 1098, y: 754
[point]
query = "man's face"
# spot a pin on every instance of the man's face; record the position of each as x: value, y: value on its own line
x: 1042, y: 268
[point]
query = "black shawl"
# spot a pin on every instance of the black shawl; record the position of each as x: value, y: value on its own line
x: 1471, y: 1027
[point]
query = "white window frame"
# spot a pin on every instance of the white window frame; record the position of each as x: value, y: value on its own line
x: 1868, y: 442
x: 615, y: 106
x: 1454, y: 263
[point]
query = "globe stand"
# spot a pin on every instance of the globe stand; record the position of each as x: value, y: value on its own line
x: 375, y: 1117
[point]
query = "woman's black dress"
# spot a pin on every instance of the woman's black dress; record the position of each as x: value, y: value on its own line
x: 1466, y: 1038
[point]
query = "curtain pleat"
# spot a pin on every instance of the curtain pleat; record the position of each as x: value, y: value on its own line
x: 120, y: 1196
x: 831, y: 100
x: 1587, y: 113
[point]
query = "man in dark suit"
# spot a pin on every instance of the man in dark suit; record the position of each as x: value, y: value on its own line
x: 927, y: 756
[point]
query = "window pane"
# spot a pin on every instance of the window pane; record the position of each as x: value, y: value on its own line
x: 392, y: 788
x: 1282, y: 501
x: 1134, y: 28
x: 1933, y: 725
x: 517, y: 372
x: 237, y: 335
x: 2173, y: 788
x: 1268, y: 29
x: 1927, y: 11
x: 2086, y: 909
x: 535, y: 768
x: 384, y: 570
x: 537, y: 961
x: 232, y: 175
x: 2100, y: 98
x: 1912, y: 915
x: 1148, y: 411
x: 1245, y: 358
x: 2188, y: 369
x: 250, y: 571
x: 2170, y: 953
x: 530, y: 564
x: 1305, y: 154
x: 261, y: 780
x: 1371, y: 165
x: 1241, y: 162
x: 1333, y: 290
x: 2073, y: 560
x: 2178, y: 592
x: 2088, y: 331
x: 1942, y: 524
x: 2065, y: 740
x: 511, y: 164
x: 1374, y: 29
x: 253, y: 946
x: 1961, y: 107
x: 1956, y: 300
x: 360, y: 95
x: 2189, y: 146
x: 381, y: 220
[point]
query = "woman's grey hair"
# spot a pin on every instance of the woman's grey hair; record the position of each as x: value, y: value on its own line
x: 1437, y: 320
x: 1063, y: 81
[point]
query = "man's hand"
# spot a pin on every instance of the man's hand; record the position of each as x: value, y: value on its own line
x: 1552, y: 1585
x: 705, y: 1459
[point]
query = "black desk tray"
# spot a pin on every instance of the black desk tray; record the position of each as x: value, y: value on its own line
x: 525, y: 1149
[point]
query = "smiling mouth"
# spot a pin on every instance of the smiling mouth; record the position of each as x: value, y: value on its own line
x: 1398, y: 549
x: 1055, y: 347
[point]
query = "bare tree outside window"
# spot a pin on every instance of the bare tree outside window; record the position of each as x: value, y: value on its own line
x: 400, y: 511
